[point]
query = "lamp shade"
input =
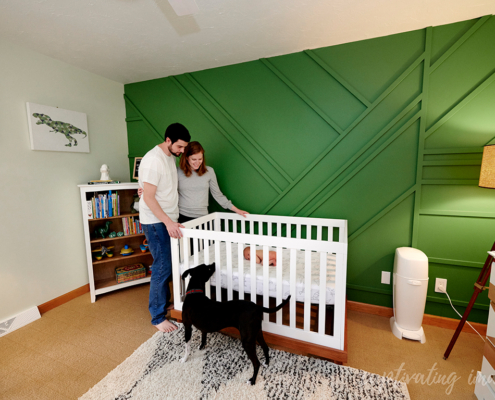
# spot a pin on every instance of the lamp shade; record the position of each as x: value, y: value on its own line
x: 487, y: 175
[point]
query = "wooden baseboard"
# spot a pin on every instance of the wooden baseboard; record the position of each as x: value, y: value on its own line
x: 428, y: 319
x: 50, y: 305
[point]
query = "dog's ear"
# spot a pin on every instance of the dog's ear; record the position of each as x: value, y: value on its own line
x: 187, y: 272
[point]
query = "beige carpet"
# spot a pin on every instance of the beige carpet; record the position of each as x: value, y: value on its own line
x: 74, y: 346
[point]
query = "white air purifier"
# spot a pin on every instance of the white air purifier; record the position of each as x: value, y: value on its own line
x: 409, y: 291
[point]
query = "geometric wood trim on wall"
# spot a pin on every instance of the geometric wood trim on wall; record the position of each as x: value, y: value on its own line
x: 386, y: 133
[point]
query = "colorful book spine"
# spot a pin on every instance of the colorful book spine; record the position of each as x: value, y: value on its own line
x: 110, y: 203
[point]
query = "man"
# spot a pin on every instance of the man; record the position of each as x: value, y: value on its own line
x: 158, y: 214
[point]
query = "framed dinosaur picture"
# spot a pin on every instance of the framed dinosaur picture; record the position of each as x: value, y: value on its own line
x: 56, y: 129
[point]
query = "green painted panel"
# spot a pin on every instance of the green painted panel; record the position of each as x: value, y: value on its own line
x: 458, y: 198
x: 454, y: 157
x: 276, y: 130
x: 361, y: 142
x: 323, y: 89
x: 452, y: 172
x: 142, y: 139
x: 352, y: 131
x: 456, y: 238
x: 463, y: 71
x: 372, y: 65
x: 373, y: 252
x: 473, y: 125
x: 376, y: 185
x: 445, y: 36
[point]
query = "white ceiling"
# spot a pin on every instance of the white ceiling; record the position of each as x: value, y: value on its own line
x: 135, y: 40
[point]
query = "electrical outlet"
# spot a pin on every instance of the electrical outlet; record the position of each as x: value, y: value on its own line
x: 439, y: 282
x: 386, y: 277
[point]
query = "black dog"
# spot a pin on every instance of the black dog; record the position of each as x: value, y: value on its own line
x: 211, y: 316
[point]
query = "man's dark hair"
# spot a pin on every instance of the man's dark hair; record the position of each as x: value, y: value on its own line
x: 176, y: 132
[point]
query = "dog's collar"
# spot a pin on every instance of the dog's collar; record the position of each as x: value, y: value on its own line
x: 194, y: 291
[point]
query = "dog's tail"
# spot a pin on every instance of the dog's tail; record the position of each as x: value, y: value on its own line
x: 275, y: 309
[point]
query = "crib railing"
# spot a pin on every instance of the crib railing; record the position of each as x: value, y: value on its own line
x: 325, y: 236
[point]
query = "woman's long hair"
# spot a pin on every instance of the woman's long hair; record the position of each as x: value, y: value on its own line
x: 191, y: 149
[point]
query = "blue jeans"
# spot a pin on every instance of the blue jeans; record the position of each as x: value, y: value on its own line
x: 161, y: 270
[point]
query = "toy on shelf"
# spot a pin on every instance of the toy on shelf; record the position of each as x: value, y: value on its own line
x: 126, y: 251
x: 135, y: 204
x: 103, y: 251
x: 112, y: 234
x: 144, y: 246
x: 120, y: 234
x: 102, y: 230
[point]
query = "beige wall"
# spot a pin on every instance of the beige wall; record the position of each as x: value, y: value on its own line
x: 41, y: 235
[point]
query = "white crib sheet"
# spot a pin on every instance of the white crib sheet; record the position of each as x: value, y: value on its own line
x: 300, y: 276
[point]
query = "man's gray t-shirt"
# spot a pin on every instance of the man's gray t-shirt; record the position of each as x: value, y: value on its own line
x: 193, y: 193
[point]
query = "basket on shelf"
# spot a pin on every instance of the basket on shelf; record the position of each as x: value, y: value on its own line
x: 130, y: 272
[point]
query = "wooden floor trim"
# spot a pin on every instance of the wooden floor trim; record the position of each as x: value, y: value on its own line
x: 50, y: 305
x: 428, y: 319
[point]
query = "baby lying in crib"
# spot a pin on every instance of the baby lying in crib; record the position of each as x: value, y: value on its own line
x: 272, y: 256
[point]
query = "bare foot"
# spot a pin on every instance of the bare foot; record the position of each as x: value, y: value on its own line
x: 166, y: 326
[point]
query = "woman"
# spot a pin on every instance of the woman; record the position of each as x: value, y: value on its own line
x: 196, y: 180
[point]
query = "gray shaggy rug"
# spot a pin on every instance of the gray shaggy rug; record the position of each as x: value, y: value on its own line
x: 221, y: 370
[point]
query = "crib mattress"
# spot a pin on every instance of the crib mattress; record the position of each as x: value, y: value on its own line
x: 300, y: 273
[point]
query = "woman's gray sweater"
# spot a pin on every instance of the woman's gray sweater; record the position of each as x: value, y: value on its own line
x: 193, y: 193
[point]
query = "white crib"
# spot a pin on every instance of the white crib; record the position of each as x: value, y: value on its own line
x: 313, y: 249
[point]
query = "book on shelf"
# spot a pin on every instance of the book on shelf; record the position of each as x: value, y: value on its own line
x: 131, y: 226
x: 89, y: 204
x: 104, y: 205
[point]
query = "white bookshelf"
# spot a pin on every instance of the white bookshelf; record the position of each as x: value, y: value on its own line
x: 101, y: 273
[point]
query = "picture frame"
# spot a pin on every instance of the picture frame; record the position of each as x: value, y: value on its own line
x: 137, y: 162
x: 56, y: 129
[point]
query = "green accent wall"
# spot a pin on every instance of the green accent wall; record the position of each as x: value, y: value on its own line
x: 387, y: 133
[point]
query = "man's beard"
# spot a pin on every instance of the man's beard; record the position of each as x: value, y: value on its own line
x: 170, y: 149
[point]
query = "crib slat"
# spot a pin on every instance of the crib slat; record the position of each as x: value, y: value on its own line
x: 293, y: 288
x: 176, y: 272
x: 322, y: 293
x: 206, y: 255
x: 318, y: 232
x: 229, y: 270
x: 253, y: 272
x: 307, y: 290
x: 279, y: 282
x: 298, y: 231
x: 243, y: 226
x: 266, y: 293
x: 196, y: 251
x: 218, y: 274
x: 240, y: 264
x: 185, y: 246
